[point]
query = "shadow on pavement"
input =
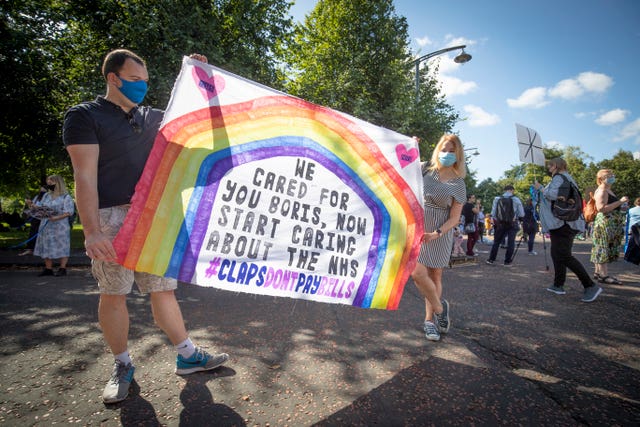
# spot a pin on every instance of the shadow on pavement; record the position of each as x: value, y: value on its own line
x: 199, y: 407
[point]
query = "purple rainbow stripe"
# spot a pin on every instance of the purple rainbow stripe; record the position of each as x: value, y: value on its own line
x: 192, y: 233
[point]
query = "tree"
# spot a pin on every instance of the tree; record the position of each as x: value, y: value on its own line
x: 627, y: 171
x: 29, y: 90
x: 51, y: 52
x: 487, y: 190
x: 237, y: 35
x: 353, y: 56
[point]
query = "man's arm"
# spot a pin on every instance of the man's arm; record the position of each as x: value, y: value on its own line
x: 519, y: 209
x: 84, y: 158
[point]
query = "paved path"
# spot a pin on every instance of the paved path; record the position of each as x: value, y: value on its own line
x: 516, y: 355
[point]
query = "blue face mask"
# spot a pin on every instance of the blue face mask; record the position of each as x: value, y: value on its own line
x: 611, y: 180
x: 446, y: 158
x: 134, y: 91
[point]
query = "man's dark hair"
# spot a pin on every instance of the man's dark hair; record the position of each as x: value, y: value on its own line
x: 115, y: 59
x: 508, y: 187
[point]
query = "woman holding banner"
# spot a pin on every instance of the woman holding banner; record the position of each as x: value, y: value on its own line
x: 444, y: 194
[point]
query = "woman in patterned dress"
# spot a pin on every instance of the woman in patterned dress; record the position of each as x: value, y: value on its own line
x: 54, y: 237
x: 608, y: 227
x: 444, y: 194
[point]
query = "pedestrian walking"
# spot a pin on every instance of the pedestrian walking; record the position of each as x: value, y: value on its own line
x: 562, y: 233
x: 444, y: 193
x: 109, y: 140
x: 506, y: 211
x: 470, y: 213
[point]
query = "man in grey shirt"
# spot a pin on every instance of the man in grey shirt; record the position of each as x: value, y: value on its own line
x: 506, y: 211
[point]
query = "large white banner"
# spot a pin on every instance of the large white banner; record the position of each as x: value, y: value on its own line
x: 249, y: 189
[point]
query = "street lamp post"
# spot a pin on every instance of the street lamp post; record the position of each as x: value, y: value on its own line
x: 475, y: 153
x: 460, y: 59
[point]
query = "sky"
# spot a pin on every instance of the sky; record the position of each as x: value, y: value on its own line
x: 567, y: 69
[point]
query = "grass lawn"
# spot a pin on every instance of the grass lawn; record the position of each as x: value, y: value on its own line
x: 13, y: 237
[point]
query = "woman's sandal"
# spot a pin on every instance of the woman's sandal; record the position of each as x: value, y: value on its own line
x: 597, y: 277
x: 610, y: 280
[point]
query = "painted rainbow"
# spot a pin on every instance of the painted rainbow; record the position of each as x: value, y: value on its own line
x: 218, y: 130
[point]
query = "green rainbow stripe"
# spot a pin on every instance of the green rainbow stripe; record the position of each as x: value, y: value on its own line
x: 155, y: 224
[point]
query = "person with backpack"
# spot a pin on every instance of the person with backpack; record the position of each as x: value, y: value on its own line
x: 563, y: 220
x: 506, y: 211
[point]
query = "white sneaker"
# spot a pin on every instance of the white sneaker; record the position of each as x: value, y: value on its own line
x: 533, y: 253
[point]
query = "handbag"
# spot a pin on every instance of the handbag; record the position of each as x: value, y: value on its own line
x: 590, y: 210
x: 469, y: 228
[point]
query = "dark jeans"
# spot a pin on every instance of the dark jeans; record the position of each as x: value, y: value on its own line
x: 531, y: 238
x: 498, y: 236
x: 561, y: 245
x: 471, y: 241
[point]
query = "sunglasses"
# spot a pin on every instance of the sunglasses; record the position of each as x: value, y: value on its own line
x: 131, y: 117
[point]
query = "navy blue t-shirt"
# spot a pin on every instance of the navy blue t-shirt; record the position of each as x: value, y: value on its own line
x: 125, y: 141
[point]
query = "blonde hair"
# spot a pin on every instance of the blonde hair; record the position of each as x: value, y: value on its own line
x: 61, y: 188
x: 602, y: 175
x: 459, y: 166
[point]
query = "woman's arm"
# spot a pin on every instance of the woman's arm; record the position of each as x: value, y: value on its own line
x: 602, y: 198
x: 550, y: 192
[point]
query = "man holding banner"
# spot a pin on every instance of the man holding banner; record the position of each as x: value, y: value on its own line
x: 109, y: 140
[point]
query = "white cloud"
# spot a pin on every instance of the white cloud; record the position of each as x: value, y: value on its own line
x: 567, y: 89
x: 612, y: 117
x: 423, y: 41
x: 636, y: 155
x: 554, y: 144
x: 595, y: 82
x: 587, y: 81
x: 630, y: 131
x: 479, y: 117
x: 535, y: 97
x: 452, y: 86
x: 451, y: 41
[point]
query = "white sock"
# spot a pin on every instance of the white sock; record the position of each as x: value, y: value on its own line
x: 124, y: 357
x: 186, y: 348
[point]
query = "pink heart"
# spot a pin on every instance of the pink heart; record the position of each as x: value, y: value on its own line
x: 405, y: 156
x: 209, y: 86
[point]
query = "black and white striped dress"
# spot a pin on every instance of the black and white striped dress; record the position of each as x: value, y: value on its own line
x: 438, y: 197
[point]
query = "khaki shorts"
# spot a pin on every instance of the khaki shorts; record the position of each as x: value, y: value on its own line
x: 114, y: 279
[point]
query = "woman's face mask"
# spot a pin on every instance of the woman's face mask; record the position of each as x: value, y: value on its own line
x: 446, y: 158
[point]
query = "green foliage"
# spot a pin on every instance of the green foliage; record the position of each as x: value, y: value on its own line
x: 51, y: 53
x: 30, y: 92
x: 353, y: 56
x: 11, y: 238
x: 627, y: 171
x: 521, y: 176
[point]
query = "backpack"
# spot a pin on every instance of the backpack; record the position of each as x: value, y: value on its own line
x: 504, y: 211
x: 590, y: 210
x: 568, y: 205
